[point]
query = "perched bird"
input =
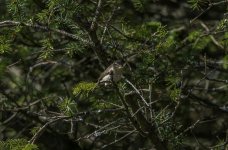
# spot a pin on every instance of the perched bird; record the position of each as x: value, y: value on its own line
x: 112, y: 74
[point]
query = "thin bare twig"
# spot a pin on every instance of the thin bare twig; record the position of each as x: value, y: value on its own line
x: 9, y: 119
x: 131, y: 118
x: 101, y: 130
x: 137, y: 91
x: 116, y: 141
x: 211, y: 36
x: 203, y: 12
x: 97, y: 13
x: 41, y: 130
x: 189, y: 128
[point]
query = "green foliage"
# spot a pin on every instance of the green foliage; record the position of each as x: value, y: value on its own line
x: 63, y: 5
x: 168, y: 129
x: 172, y: 80
x: 161, y: 32
x: 168, y: 44
x: 199, y: 42
x: 221, y: 145
x: 156, y: 30
x: 175, y: 94
x: 17, y: 144
x: 224, y: 41
x: 173, y: 89
x: 84, y: 88
x: 138, y: 4
x: 75, y: 48
x: 34, y: 130
x: 154, y: 25
x: 101, y: 105
x: 4, y: 48
x: 225, y: 62
x: 148, y: 59
x: 149, y: 31
x: 19, y: 9
x: 4, y: 44
x: 223, y: 24
x: 197, y: 4
x: 192, y: 36
x: 68, y: 107
x: 47, y: 49
x: 2, y: 68
x: 167, y: 64
x: 43, y: 16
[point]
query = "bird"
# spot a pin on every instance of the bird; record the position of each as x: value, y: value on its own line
x: 112, y: 74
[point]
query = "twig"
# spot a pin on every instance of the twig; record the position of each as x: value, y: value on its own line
x: 97, y: 46
x: 99, y: 131
x: 17, y: 62
x: 211, y: 36
x: 203, y: 12
x: 150, y: 100
x: 208, y: 8
x: 116, y: 141
x: 189, y: 128
x: 93, y: 24
x: 10, y: 23
x: 9, y: 119
x: 137, y: 91
x: 41, y: 130
x: 25, y: 107
x: 209, y: 104
x: 131, y: 118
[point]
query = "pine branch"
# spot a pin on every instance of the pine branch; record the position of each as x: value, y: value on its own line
x: 10, y: 23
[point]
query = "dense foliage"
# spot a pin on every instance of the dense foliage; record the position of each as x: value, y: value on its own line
x: 173, y: 94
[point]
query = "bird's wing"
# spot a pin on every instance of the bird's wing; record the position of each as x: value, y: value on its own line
x: 108, y: 71
x: 106, y: 78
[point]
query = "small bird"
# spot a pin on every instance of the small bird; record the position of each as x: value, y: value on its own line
x: 112, y: 74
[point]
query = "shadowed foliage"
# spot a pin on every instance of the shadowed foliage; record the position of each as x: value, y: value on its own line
x: 173, y: 93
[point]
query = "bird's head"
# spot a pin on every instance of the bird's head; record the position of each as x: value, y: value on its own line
x: 118, y: 64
